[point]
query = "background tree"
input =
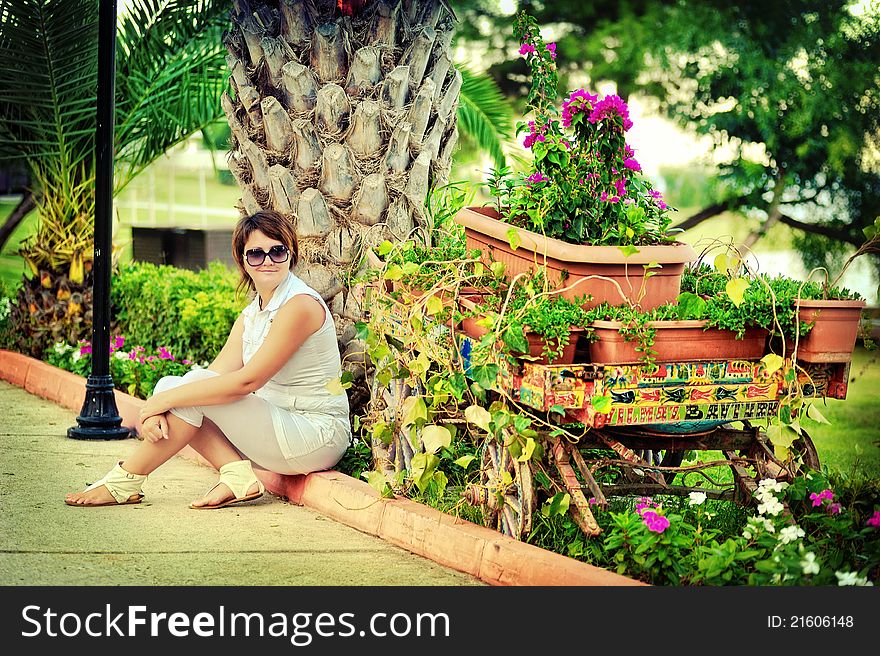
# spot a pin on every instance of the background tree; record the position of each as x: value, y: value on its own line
x: 795, y: 80
x: 170, y: 73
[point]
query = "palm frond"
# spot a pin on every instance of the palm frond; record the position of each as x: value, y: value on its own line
x: 484, y: 113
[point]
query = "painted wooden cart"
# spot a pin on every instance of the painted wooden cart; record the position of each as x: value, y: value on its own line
x: 657, y: 414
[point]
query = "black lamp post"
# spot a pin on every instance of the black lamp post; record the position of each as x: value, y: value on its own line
x: 99, y: 418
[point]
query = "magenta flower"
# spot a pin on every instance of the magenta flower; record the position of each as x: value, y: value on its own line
x: 164, y: 354
x: 592, y: 501
x: 620, y: 186
x: 658, y: 199
x: 835, y: 508
x: 817, y: 499
x: 611, y: 107
x: 579, y: 102
x: 632, y: 164
x: 551, y: 47
x: 535, y: 178
x: 628, y: 152
x: 186, y: 362
x: 526, y: 48
x: 874, y: 520
x: 85, y: 349
x: 643, y: 504
x: 654, y: 522
x: 118, y: 342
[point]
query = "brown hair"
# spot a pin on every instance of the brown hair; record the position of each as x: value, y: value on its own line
x: 272, y: 224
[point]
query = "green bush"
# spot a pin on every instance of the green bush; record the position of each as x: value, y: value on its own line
x: 187, y: 312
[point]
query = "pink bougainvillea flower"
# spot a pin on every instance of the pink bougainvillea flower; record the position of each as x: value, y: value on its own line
x: 835, y: 508
x: 526, y: 49
x: 164, y: 354
x: 579, y: 102
x: 535, y: 178
x: 611, y: 107
x: 874, y: 520
x: 118, y: 342
x: 551, y: 47
x: 658, y: 199
x: 620, y: 186
x: 632, y: 164
x: 628, y: 152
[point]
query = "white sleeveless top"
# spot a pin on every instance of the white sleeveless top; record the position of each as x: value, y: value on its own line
x: 301, y: 384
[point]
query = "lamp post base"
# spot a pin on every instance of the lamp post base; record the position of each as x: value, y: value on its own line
x: 99, y: 418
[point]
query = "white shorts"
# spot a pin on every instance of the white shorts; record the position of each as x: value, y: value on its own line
x: 307, y: 443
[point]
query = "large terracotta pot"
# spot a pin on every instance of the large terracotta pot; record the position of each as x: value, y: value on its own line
x: 484, y: 231
x: 576, y: 338
x: 834, y: 334
x: 677, y: 341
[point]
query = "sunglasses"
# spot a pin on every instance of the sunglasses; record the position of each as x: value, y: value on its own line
x: 256, y: 256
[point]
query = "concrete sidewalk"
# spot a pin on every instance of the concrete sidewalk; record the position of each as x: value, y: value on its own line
x: 162, y: 541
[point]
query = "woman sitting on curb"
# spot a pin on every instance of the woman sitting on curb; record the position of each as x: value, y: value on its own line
x: 264, y: 400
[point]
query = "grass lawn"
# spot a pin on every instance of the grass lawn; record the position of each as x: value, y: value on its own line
x: 11, y: 265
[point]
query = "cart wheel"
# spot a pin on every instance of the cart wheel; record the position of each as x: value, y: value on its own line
x: 505, y: 492
x: 396, y: 456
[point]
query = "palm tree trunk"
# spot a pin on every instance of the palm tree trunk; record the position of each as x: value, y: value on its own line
x: 343, y: 117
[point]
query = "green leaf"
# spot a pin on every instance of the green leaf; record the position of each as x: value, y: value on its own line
x: 464, y: 461
x: 558, y: 409
x: 414, y: 409
x: 435, y: 437
x: 497, y: 269
x: 515, y: 339
x: 628, y: 250
x: 602, y: 404
x: 527, y: 451
x: 814, y: 414
x: 384, y: 248
x: 780, y: 435
x: 690, y: 306
x: 410, y: 268
x: 335, y: 387
x: 736, y: 289
x: 440, y: 482
x: 378, y: 482
x: 433, y: 305
x: 559, y: 504
x: 393, y: 272
x: 362, y: 330
x: 485, y: 375
x: 478, y: 416
x: 484, y: 113
x: 772, y: 362
x: 422, y: 469
x: 513, y: 238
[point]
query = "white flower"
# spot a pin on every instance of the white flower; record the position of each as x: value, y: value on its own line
x: 771, y: 485
x: 790, y: 534
x: 119, y: 355
x: 756, y: 525
x: 5, y: 308
x: 770, y: 507
x: 851, y: 578
x: 59, y: 348
x: 697, y: 498
x: 809, y: 564
x: 77, y: 356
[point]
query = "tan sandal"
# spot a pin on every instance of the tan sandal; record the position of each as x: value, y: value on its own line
x: 124, y: 486
x: 238, y: 476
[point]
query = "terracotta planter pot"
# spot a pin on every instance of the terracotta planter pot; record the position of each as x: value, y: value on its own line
x: 834, y: 334
x: 470, y: 328
x: 483, y: 230
x: 677, y: 341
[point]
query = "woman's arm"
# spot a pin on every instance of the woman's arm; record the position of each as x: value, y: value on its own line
x: 297, y: 319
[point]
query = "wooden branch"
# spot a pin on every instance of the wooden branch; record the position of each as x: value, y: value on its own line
x: 27, y: 203
x: 819, y: 229
x: 418, y: 54
x: 370, y: 200
x: 306, y: 148
x: 338, y: 179
x: 708, y: 213
x: 450, y: 96
x: 283, y: 190
x: 365, y: 69
x: 299, y: 87
x: 397, y: 157
x: 365, y: 134
x: 431, y: 145
x: 395, y: 89
x: 313, y: 219
x: 277, y: 53
x: 399, y: 219
x: 276, y: 123
x: 385, y: 23
x: 332, y: 108
x: 341, y: 245
x: 417, y: 185
x: 296, y: 22
x: 439, y: 73
x: 252, y: 34
x: 328, y: 55
x: 420, y: 112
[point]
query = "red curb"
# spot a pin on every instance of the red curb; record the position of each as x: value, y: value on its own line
x: 481, y: 552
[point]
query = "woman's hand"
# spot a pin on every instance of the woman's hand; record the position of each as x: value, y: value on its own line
x: 155, y: 405
x: 155, y: 428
